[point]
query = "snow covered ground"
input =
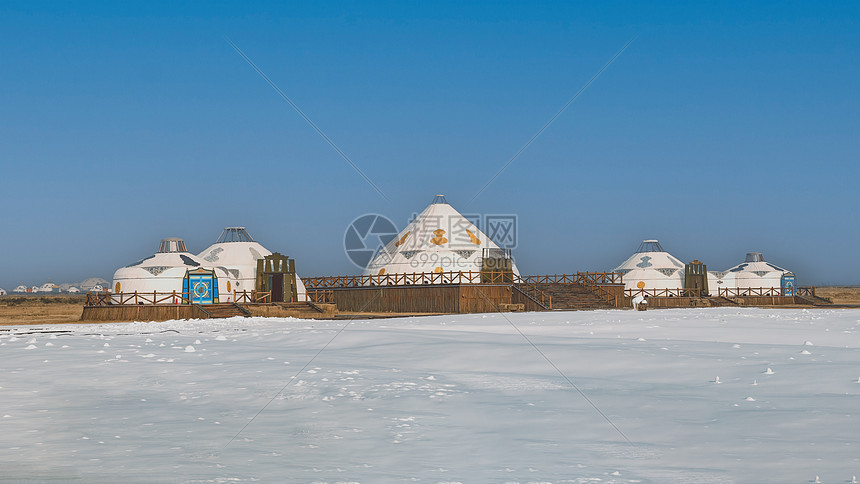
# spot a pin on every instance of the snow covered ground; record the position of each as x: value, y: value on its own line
x: 703, y: 395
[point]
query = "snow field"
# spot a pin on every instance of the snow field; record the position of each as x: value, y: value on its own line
x: 462, y: 398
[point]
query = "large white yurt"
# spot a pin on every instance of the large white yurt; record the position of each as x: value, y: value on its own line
x: 755, y: 273
x: 651, y: 267
x: 171, y: 269
x: 236, y: 252
x: 440, y: 239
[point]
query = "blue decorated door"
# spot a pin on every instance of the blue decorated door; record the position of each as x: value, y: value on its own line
x: 201, y: 286
x: 789, y: 285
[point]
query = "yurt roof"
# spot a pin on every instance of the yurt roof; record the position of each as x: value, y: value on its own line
x: 234, y: 248
x: 437, y: 235
x: 166, y: 258
x: 755, y: 263
x: 650, y: 255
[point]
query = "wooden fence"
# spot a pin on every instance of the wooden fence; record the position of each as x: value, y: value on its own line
x: 156, y: 298
x: 631, y: 293
x: 460, y: 277
x: 137, y: 298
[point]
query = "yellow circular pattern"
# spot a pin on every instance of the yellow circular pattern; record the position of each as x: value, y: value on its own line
x: 640, y: 285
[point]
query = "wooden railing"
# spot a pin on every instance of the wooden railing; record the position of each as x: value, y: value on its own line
x: 252, y: 297
x: 321, y: 296
x: 155, y: 297
x: 728, y: 292
x: 463, y: 277
x: 585, y: 278
x: 750, y: 291
x: 663, y: 292
x: 460, y: 277
x: 535, y: 294
x: 119, y: 298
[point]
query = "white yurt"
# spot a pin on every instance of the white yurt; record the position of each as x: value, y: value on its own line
x: 91, y: 283
x: 755, y: 273
x: 2, y: 291
x: 651, y: 267
x: 21, y: 289
x: 49, y: 287
x: 171, y: 269
x: 440, y: 239
x: 236, y: 252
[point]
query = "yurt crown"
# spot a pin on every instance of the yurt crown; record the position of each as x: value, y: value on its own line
x: 754, y: 257
x: 172, y: 244
x: 234, y: 234
x: 650, y: 246
x: 439, y: 199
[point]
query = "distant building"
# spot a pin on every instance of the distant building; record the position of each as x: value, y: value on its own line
x: 2, y: 292
x: 48, y: 287
x: 90, y: 284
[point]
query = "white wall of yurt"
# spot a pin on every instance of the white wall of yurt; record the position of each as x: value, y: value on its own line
x: 165, y: 271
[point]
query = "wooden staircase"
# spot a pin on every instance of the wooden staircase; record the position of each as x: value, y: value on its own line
x: 223, y: 310
x: 813, y: 300
x: 574, y: 296
x: 534, y: 294
x: 301, y: 306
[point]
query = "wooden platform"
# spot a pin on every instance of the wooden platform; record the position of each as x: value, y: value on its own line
x: 467, y: 292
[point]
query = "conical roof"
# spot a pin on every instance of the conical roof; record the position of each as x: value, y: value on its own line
x: 651, y: 267
x: 440, y: 239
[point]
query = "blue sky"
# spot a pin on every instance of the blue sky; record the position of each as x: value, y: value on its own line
x: 724, y: 128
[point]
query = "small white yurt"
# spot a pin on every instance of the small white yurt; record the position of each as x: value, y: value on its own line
x: 236, y: 252
x: 92, y: 283
x: 20, y: 289
x: 440, y: 239
x: 756, y: 273
x: 171, y: 269
x: 2, y: 291
x: 49, y: 287
x: 651, y: 267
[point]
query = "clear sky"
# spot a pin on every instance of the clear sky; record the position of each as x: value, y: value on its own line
x: 724, y: 128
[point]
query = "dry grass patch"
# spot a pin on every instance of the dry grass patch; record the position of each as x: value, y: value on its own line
x: 840, y: 294
x: 16, y: 310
